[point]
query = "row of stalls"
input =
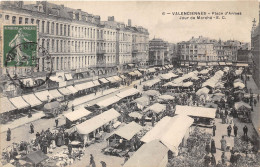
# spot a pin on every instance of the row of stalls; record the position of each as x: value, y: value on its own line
x: 214, y: 64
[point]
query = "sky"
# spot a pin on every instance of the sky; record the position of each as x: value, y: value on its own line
x: 172, y: 29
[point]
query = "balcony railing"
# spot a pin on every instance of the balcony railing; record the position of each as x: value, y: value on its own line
x: 105, y: 64
x: 134, y: 51
x: 101, y: 51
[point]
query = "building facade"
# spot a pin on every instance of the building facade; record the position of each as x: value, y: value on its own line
x: 78, y: 42
x: 158, y: 52
x: 255, y: 49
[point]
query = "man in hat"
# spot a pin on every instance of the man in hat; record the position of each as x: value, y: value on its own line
x: 229, y: 129
x: 8, y: 138
x: 235, y: 130
x: 245, y: 130
x: 32, y: 128
x: 214, y: 128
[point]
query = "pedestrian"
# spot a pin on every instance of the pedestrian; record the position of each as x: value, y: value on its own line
x: 207, y: 148
x: 103, y: 164
x: 8, y: 137
x: 223, y: 144
x: 32, y: 128
x: 70, y: 149
x: 126, y: 158
x: 229, y: 129
x: 56, y: 122
x: 72, y: 107
x: 207, y: 160
x: 213, y: 146
x: 223, y: 158
x: 92, y: 162
x: 153, y: 120
x: 213, y: 160
x: 214, y: 128
x: 232, y: 158
x: 143, y: 120
x: 245, y: 130
x: 37, y: 135
x: 235, y: 130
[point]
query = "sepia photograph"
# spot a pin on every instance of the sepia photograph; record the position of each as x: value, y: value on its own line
x: 147, y: 83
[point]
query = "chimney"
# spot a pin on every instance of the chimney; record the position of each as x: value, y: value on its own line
x: 62, y: 6
x: 129, y: 22
x: 111, y: 18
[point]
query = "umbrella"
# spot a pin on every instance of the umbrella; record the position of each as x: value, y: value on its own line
x: 216, y: 98
x: 152, y: 93
x: 75, y: 142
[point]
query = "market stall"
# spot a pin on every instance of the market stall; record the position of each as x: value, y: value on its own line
x: 52, y: 109
x: 76, y: 116
x: 96, y: 126
x: 36, y: 157
x: 106, y: 103
x: 243, y: 111
x: 142, y: 102
x: 166, y: 127
x: 32, y: 100
x: 121, y: 141
x: 156, y: 110
x: 202, y: 116
x: 152, y: 154
x: 128, y: 93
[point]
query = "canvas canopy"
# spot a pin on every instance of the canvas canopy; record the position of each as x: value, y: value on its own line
x: 72, y: 89
x: 129, y: 92
x: 112, y: 79
x: 96, y: 83
x: 108, y: 102
x: 151, y: 93
x: 187, y: 84
x: 240, y: 104
x: 144, y: 101
x: 202, y: 91
x: 132, y: 73
x: 19, y: 102
x: 222, y: 63
x: 156, y: 107
x: 135, y: 115
x: 138, y: 73
x: 68, y: 76
x: 196, y: 111
x: 103, y: 80
x: 77, y: 114
x: 152, y: 154
x: 32, y: 100
x: 36, y: 157
x: 96, y: 122
x: 52, y: 105
x: 241, y: 65
x: 166, y: 127
x: 239, y: 85
x: 55, y: 93
x: 6, y: 105
x: 117, y: 78
x: 65, y: 91
x: 128, y: 131
x: 205, y: 71
x: 122, y: 76
x: 151, y: 83
x: 43, y: 95
x: 166, y: 97
x: 151, y: 70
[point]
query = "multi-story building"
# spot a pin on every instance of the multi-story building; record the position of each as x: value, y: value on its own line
x: 226, y: 51
x: 255, y: 49
x: 79, y: 42
x: 199, y: 49
x: 158, y: 52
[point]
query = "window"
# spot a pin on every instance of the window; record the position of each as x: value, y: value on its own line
x: 57, y: 63
x: 57, y: 28
x: 48, y: 27
x: 57, y: 46
x: 6, y: 17
x: 43, y: 22
x: 13, y: 20
x: 43, y: 40
x: 61, y: 29
x: 20, y: 20
x: 32, y: 21
x: 68, y: 30
x: 61, y: 48
x: 52, y: 28
x: 38, y: 24
x: 26, y: 21
x: 52, y: 46
x: 48, y: 45
x: 65, y: 30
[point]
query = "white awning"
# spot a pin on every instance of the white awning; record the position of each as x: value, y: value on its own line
x: 56, y: 79
x: 68, y: 77
x: 65, y: 91
x: 157, y: 108
x: 80, y: 86
x: 187, y: 84
x: 150, y: 70
x: 128, y: 131
x: 96, y: 122
x: 135, y: 115
x: 202, y: 64
x: 32, y: 100
x: 132, y: 73
x: 129, y: 92
x: 72, y: 89
x: 151, y: 82
x: 43, y: 95
x: 89, y: 84
x: 196, y: 111
x: 19, y: 102
x: 107, y: 102
x: 122, y: 76
x: 242, y: 65
x: 103, y: 80
x: 55, y: 93
x: 77, y: 114
x: 6, y: 105
x: 96, y: 83
x: 138, y: 73
x: 222, y: 63
x: 117, y: 78
x: 131, y: 65
x: 111, y: 79
x: 166, y: 127
x: 228, y: 63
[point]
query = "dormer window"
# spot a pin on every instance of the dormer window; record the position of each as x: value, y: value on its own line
x: 40, y: 8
